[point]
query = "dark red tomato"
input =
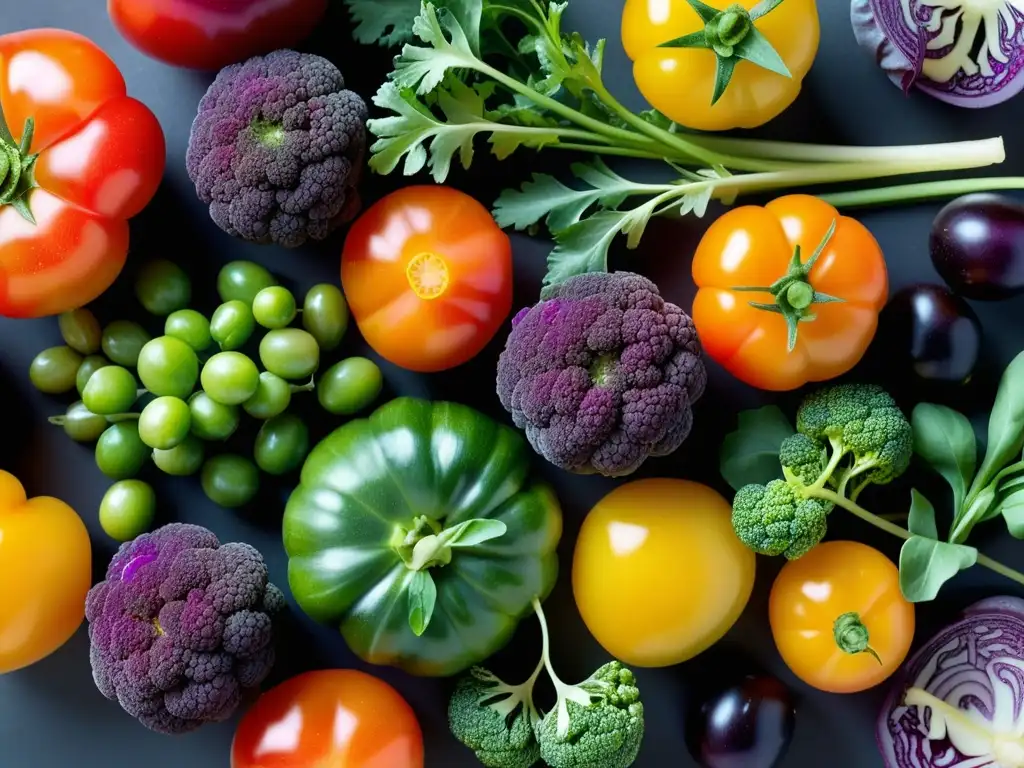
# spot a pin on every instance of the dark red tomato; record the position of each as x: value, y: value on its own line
x: 340, y: 718
x: 210, y: 34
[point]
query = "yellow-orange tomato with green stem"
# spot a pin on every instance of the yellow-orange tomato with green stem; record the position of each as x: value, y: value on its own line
x: 839, y: 619
x: 332, y: 718
x: 428, y: 277
x: 45, y: 573
x: 658, y: 573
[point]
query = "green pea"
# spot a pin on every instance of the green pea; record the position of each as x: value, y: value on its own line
x: 122, y: 342
x: 165, y: 423
x: 110, y: 390
x: 182, y: 460
x: 120, y: 452
x: 230, y: 378
x: 81, y: 331
x: 230, y: 481
x: 232, y: 325
x: 89, y: 366
x: 325, y: 315
x: 163, y: 287
x: 273, y: 396
x: 54, y: 370
x: 168, y: 367
x: 281, y: 444
x: 242, y: 280
x: 127, y: 510
x: 274, y: 307
x: 189, y: 326
x: 349, y: 386
x: 212, y: 420
x: 81, y: 424
x: 290, y: 353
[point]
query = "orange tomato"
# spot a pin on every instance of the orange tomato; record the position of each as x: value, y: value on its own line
x: 754, y: 247
x: 45, y: 573
x: 658, y: 573
x: 428, y: 277
x: 100, y: 160
x: 339, y: 718
x: 839, y: 619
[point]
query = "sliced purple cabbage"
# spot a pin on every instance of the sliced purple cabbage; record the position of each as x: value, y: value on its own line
x: 959, y: 702
x: 965, y: 52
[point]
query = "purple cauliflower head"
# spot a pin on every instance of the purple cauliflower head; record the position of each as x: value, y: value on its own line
x: 277, y: 149
x: 182, y: 627
x: 602, y: 374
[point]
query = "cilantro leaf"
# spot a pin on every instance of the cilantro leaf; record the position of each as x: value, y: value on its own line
x: 583, y: 247
x: 423, y: 69
x: 390, y: 22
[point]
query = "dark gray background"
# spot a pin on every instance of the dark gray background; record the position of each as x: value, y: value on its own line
x: 52, y: 716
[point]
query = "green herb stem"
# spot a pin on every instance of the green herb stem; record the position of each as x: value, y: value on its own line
x: 928, y: 190
x: 832, y: 153
x: 869, y: 517
x: 608, y: 149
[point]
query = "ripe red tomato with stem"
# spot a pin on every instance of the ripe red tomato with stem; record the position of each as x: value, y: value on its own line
x: 78, y: 158
x: 210, y: 34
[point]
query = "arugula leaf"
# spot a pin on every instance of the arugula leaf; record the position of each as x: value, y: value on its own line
x: 750, y: 454
x: 945, y: 440
x: 927, y: 564
x: 546, y: 198
x: 921, y: 520
x: 1012, y: 510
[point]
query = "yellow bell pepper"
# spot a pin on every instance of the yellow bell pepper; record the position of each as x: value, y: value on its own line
x: 45, y: 573
x: 715, y: 69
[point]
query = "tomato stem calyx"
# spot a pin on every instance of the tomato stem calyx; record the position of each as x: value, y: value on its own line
x: 732, y: 37
x: 852, y: 636
x: 794, y: 295
x: 16, y: 178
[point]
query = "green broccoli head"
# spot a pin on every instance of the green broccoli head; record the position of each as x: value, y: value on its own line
x: 863, y: 420
x: 774, y: 519
x: 598, y: 723
x: 803, y: 458
x: 495, y: 720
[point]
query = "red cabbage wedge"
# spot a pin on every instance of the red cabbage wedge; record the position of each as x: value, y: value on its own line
x: 959, y: 702
x: 966, y: 52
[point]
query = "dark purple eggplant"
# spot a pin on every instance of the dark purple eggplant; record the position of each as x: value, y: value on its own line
x: 748, y: 725
x: 977, y: 246
x: 931, y: 334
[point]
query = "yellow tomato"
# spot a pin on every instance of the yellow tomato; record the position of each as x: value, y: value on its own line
x: 45, y: 572
x: 679, y: 82
x: 658, y: 573
x: 839, y: 619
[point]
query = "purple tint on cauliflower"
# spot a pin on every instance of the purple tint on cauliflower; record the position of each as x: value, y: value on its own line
x: 277, y: 149
x: 181, y: 627
x: 602, y: 374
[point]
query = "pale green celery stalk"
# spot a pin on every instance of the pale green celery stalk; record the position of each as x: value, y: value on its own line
x: 926, y: 190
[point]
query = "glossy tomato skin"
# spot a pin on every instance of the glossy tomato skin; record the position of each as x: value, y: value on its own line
x: 658, y: 573
x: 753, y: 246
x: 101, y: 157
x: 45, y: 573
x: 210, y: 34
x: 833, y: 579
x: 428, y: 277
x: 339, y: 718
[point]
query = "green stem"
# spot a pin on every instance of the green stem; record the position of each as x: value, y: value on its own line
x: 851, y: 635
x: 831, y: 153
x: 309, y: 386
x: 927, y: 190
x: 599, y: 149
x: 903, y: 533
x: 833, y: 462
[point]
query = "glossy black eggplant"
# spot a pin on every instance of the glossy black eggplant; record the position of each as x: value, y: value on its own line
x: 931, y: 334
x: 977, y: 246
x: 748, y: 725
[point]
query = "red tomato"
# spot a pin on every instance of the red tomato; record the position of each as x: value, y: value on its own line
x: 428, y: 277
x: 340, y: 718
x: 100, y: 160
x: 210, y: 34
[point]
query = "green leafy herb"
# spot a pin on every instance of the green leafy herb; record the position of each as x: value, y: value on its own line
x: 751, y: 453
x: 945, y: 439
x: 927, y: 564
x: 422, y: 593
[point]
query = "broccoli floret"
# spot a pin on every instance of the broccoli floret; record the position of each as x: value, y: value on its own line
x: 277, y: 149
x: 602, y: 374
x: 803, y: 458
x: 496, y: 720
x: 862, y: 420
x: 182, y: 628
x: 776, y: 520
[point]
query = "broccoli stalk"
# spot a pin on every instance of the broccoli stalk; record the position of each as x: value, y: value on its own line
x: 598, y: 723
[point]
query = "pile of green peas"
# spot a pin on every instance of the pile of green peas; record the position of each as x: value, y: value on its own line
x: 192, y: 385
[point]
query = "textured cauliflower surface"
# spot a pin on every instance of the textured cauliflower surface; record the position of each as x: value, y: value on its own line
x: 277, y: 149
x: 602, y: 374
x: 181, y: 627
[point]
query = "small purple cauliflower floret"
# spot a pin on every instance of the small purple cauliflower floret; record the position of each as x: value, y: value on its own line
x: 182, y: 627
x: 277, y: 149
x: 602, y: 374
